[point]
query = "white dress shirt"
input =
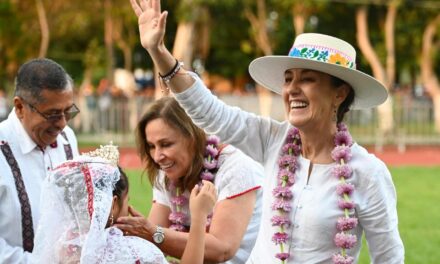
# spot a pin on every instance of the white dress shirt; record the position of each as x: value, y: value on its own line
x: 33, y: 164
x: 238, y: 174
x: 314, y: 208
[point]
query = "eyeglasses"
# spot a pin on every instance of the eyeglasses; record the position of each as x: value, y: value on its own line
x: 53, y: 118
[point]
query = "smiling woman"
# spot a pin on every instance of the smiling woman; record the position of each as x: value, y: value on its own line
x: 178, y: 156
x: 324, y: 190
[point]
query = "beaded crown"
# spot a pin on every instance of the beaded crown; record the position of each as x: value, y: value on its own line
x: 108, y: 152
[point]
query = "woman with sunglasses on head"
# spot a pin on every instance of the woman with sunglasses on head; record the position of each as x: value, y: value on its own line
x: 323, y: 189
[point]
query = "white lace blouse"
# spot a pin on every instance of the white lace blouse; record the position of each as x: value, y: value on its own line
x: 315, y: 210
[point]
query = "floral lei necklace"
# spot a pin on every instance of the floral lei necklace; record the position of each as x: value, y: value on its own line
x: 287, y: 163
x: 210, y: 167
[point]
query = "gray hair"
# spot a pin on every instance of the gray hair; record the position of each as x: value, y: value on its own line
x: 39, y: 74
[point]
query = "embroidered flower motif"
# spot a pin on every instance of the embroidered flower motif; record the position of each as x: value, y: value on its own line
x: 210, y: 167
x: 338, y: 59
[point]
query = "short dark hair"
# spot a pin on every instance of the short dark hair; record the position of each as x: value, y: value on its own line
x: 39, y: 74
x: 121, y: 186
x: 345, y: 105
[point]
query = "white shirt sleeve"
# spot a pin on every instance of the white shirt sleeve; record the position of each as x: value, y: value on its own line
x: 160, y: 194
x: 246, y: 131
x: 13, y: 255
x: 238, y: 174
x: 378, y: 217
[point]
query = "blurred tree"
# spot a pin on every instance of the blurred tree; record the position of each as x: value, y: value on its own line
x: 385, y: 74
x: 108, y: 40
x: 429, y: 54
x: 125, y: 31
x: 44, y: 28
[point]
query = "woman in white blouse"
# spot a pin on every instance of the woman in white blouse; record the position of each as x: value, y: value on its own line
x: 323, y: 189
x: 178, y: 155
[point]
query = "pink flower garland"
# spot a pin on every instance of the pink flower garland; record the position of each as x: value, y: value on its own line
x: 341, y: 154
x: 282, y: 192
x: 210, y: 166
x: 283, y: 195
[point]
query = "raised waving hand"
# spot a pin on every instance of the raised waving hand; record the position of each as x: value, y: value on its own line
x: 151, y: 21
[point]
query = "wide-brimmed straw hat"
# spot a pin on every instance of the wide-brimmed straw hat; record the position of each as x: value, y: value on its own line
x: 325, y: 54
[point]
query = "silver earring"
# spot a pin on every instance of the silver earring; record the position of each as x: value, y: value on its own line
x: 335, y: 113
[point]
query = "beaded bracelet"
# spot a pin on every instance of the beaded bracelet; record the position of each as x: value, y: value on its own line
x: 170, y: 75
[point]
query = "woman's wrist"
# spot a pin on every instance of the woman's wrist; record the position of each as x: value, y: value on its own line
x: 163, y: 60
x: 199, y: 217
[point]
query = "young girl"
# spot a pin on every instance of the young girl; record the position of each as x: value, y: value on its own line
x: 82, y: 199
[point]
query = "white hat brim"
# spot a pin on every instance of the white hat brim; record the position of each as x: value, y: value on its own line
x: 269, y: 72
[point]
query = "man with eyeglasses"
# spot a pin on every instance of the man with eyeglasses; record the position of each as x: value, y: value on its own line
x: 33, y: 140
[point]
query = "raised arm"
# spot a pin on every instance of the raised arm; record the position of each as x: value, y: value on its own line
x: 152, y: 23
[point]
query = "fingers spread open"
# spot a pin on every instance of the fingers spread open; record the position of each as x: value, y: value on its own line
x: 136, y: 8
x: 144, y: 4
x: 163, y: 19
x: 155, y: 5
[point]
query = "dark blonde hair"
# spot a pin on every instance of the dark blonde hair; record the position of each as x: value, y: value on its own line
x: 173, y: 115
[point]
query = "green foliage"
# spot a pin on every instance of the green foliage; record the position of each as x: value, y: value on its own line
x: 77, y: 32
x: 230, y: 52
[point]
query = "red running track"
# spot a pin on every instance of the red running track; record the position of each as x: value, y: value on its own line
x: 420, y: 155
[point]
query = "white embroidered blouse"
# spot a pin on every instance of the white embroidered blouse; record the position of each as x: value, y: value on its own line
x: 315, y: 209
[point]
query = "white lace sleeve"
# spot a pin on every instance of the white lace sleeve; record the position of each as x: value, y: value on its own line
x: 238, y: 174
x: 122, y: 249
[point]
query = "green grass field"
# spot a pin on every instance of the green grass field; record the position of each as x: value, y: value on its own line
x: 418, y: 191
